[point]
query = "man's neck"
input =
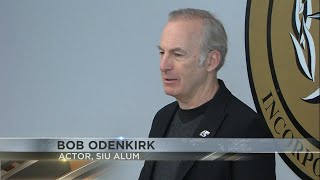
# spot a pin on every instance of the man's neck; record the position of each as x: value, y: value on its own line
x: 205, y: 95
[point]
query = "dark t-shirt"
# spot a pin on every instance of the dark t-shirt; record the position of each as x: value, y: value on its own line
x: 183, y: 125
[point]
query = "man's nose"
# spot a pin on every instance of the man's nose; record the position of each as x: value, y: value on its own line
x: 165, y: 63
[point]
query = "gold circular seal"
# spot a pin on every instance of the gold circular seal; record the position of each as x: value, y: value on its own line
x: 282, y: 48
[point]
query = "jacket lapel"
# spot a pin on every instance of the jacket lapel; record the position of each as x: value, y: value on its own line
x: 214, y: 116
x: 162, y: 121
x: 159, y: 129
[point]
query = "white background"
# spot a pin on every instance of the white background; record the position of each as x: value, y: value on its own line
x: 91, y: 68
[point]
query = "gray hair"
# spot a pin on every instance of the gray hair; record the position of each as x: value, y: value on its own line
x: 214, y: 35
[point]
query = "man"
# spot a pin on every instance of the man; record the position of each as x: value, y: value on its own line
x: 192, y: 49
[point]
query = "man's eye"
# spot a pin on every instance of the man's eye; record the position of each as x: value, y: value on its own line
x: 161, y: 52
x: 177, y: 55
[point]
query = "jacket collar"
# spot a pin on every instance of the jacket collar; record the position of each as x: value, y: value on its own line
x: 215, y: 112
x: 214, y: 115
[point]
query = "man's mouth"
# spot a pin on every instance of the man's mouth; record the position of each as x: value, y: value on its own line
x: 169, y: 80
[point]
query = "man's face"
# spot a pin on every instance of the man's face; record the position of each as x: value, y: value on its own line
x: 180, y: 49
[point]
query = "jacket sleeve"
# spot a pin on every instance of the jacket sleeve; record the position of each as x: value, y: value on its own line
x: 262, y: 167
x: 258, y: 166
x: 146, y: 170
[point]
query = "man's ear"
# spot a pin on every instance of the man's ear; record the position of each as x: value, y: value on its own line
x: 213, y: 60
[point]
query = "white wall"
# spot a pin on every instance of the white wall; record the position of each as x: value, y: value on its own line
x: 90, y: 68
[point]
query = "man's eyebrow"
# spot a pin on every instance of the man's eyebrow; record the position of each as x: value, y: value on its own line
x: 159, y: 48
x: 173, y: 50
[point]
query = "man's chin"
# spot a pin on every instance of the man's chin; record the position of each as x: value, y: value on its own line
x: 170, y: 92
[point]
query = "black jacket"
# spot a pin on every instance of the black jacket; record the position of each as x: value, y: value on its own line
x: 226, y: 117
